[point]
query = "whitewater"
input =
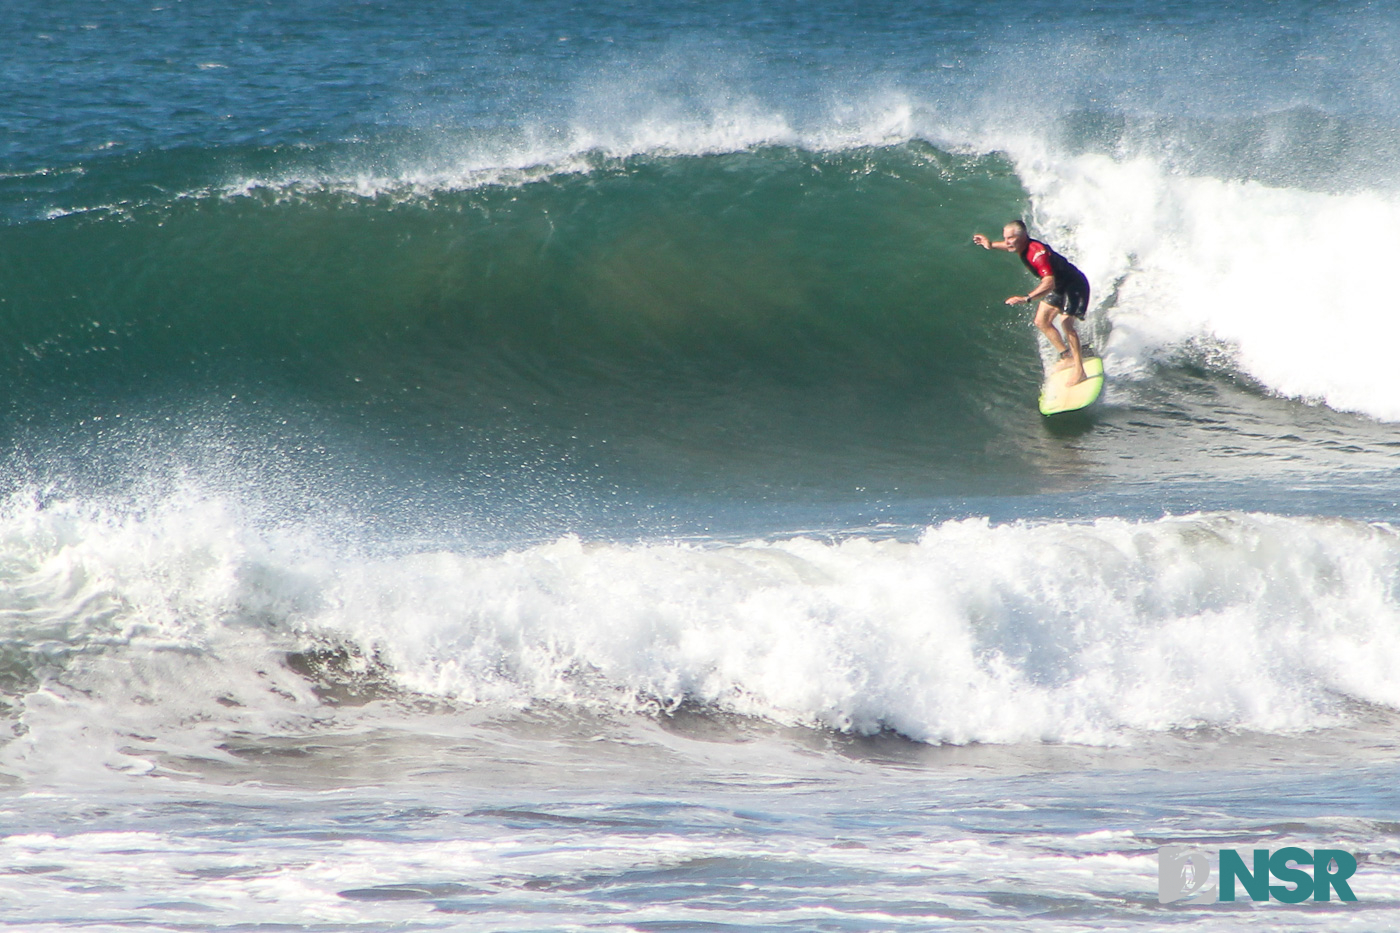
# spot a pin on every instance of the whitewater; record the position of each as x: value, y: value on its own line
x: 562, y: 468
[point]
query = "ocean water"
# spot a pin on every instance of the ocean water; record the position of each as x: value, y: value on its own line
x: 565, y: 467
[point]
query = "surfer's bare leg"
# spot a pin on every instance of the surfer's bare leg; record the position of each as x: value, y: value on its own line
x: 1076, y: 352
x: 1045, y: 320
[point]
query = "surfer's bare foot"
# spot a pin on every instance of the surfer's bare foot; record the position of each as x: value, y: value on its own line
x: 1078, y: 377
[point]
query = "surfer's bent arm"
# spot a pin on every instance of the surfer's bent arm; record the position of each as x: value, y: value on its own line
x: 1046, y: 286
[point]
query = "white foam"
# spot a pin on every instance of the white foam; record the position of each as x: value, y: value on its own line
x: 1295, y: 286
x: 167, y: 630
x: 1000, y: 634
x: 141, y: 631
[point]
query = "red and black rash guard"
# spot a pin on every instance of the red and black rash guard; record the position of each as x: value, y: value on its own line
x: 1071, y: 294
x: 1043, y: 261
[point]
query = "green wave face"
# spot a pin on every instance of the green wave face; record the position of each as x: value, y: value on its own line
x: 780, y: 311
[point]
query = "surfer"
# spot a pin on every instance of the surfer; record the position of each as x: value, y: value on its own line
x: 1063, y: 291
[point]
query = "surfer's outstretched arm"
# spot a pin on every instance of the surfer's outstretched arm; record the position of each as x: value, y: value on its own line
x: 985, y: 243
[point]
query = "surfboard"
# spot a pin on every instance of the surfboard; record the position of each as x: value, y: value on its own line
x: 1058, y: 396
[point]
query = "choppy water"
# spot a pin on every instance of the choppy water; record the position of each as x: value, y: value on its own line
x: 540, y: 468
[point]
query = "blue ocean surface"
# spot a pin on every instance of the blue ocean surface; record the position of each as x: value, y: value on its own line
x: 551, y: 467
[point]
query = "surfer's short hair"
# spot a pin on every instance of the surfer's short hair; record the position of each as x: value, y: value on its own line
x: 1018, y: 225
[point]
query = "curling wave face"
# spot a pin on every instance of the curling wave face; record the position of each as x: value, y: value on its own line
x: 762, y: 313
x: 773, y: 303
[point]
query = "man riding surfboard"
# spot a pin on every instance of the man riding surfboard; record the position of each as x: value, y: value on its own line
x: 1063, y: 291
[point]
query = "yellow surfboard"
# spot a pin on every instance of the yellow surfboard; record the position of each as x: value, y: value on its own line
x: 1058, y: 396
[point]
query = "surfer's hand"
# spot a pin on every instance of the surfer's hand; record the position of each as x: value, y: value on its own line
x: 1016, y: 300
x: 981, y: 241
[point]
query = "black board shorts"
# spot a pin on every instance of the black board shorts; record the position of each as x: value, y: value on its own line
x: 1073, y: 299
